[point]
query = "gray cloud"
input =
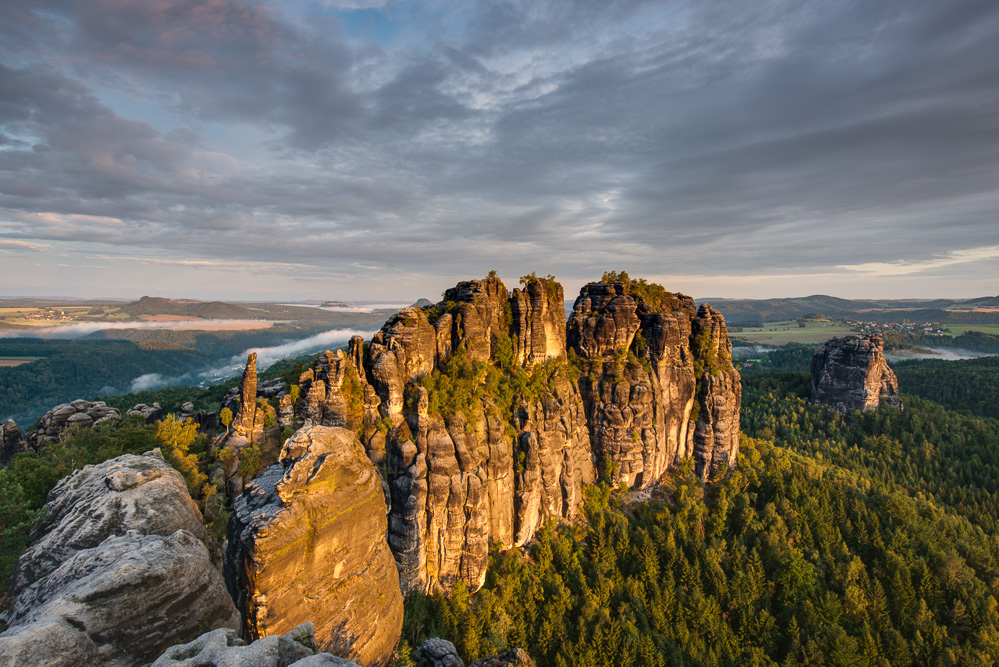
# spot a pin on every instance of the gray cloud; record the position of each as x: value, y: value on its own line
x: 675, y: 138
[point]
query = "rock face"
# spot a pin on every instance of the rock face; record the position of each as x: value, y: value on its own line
x: 468, y: 461
x: 116, y: 570
x: 224, y: 648
x: 243, y: 421
x: 11, y: 442
x: 59, y: 419
x: 307, y: 541
x: 852, y: 373
x: 661, y: 386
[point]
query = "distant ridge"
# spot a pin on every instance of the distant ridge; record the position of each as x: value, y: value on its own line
x: 955, y: 311
x: 218, y: 310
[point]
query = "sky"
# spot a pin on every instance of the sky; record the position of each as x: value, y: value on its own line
x: 384, y: 150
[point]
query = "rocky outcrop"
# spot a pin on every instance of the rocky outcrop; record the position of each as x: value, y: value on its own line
x: 852, y: 373
x: 244, y: 419
x: 79, y: 413
x: 307, y: 542
x: 116, y: 570
x: 11, y: 442
x: 538, y: 312
x: 149, y: 413
x: 660, y: 385
x: 439, y: 653
x: 484, y: 430
x: 515, y: 657
x: 224, y: 648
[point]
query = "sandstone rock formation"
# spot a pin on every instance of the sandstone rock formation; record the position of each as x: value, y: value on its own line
x: 243, y: 422
x: 515, y: 657
x: 11, y: 442
x: 224, y: 648
x: 439, y: 653
x: 116, y: 570
x: 852, y: 373
x: 484, y: 430
x: 149, y: 413
x: 307, y: 542
x: 61, y: 418
x: 660, y: 385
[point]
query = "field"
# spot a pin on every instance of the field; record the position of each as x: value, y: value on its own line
x: 17, y: 361
x: 958, y: 329
x: 782, y: 333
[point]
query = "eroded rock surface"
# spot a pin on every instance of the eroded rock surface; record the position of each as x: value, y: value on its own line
x: 657, y: 386
x: 307, y: 543
x: 661, y: 386
x: 116, y: 571
x: 224, y: 648
x: 61, y: 418
x: 11, y: 442
x: 852, y: 373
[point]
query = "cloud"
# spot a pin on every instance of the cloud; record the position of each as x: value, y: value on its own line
x: 24, y: 245
x: 678, y: 138
x: 902, y: 268
x: 87, y: 328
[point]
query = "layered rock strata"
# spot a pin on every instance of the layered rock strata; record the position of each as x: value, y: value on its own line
x: 224, y: 648
x: 852, y: 373
x: 116, y: 570
x: 484, y: 430
x: 492, y: 470
x: 660, y: 385
x: 243, y: 421
x: 307, y: 542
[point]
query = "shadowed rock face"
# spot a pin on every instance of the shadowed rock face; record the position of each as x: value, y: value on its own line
x: 497, y: 471
x: 116, y: 571
x: 852, y: 373
x: 11, y: 442
x: 307, y: 543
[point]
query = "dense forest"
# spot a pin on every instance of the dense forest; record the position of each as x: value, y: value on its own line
x: 71, y: 369
x: 864, y: 540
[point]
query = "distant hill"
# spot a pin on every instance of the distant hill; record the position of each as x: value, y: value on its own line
x: 956, y: 311
x: 211, y: 310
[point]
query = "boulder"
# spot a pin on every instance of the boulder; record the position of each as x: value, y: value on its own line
x: 224, y: 648
x: 116, y: 570
x: 439, y: 653
x: 852, y: 373
x: 307, y: 542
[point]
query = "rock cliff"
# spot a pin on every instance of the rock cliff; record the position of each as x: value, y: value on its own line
x: 307, y: 542
x: 11, y: 442
x: 79, y: 413
x: 116, y: 570
x: 484, y: 429
x: 852, y: 373
x: 659, y: 385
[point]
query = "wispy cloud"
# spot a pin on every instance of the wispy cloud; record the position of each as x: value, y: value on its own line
x: 904, y: 268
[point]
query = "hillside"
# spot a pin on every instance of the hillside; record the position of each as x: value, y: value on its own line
x: 956, y: 311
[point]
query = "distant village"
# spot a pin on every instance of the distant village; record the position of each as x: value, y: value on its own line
x: 922, y: 328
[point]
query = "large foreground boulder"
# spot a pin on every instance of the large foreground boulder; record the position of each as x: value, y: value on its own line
x: 852, y: 373
x: 224, y: 648
x: 116, y: 571
x: 307, y: 542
